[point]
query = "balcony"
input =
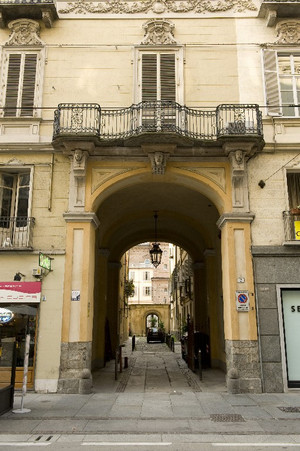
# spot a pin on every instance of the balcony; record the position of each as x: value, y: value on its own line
x: 273, y: 9
x: 291, y: 227
x: 44, y: 10
x: 16, y: 233
x: 160, y: 121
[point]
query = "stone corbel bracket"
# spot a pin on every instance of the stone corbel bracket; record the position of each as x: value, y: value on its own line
x: 238, y: 179
x: 158, y: 162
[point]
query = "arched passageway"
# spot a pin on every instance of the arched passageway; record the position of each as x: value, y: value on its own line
x: 192, y: 205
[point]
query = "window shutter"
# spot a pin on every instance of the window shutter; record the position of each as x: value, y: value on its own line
x: 12, y: 86
x: 149, y: 77
x: 28, y: 89
x: 271, y: 82
x: 168, y: 76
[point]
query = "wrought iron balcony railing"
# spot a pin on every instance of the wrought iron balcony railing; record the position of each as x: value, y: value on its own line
x: 16, y: 232
x: 31, y: 9
x: 89, y: 120
x: 291, y: 226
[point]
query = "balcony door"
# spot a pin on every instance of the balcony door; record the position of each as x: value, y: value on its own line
x: 14, y: 203
x: 159, y: 89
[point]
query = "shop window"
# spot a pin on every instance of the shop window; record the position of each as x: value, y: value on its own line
x: 282, y: 82
x: 22, y: 322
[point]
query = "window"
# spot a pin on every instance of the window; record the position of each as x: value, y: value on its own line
x: 293, y: 183
x: 22, y: 75
x: 14, y: 196
x: 15, y: 230
x: 147, y: 291
x: 282, y: 82
x: 158, y: 76
x: 146, y: 275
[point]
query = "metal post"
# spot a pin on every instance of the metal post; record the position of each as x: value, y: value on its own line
x: 24, y: 387
x: 200, y: 364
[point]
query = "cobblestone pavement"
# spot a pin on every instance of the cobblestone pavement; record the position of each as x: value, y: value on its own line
x: 155, y: 368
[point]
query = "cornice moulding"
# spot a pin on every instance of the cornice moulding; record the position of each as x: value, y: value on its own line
x: 242, y: 217
x: 158, y: 7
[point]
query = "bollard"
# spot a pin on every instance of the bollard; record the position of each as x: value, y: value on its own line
x: 200, y: 364
x: 125, y: 362
x: 133, y: 343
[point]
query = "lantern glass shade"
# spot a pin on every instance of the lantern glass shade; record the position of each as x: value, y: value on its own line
x: 155, y: 254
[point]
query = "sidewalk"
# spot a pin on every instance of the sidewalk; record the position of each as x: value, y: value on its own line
x: 157, y: 394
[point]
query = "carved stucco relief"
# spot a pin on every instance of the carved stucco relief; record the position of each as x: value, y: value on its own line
x: 158, y: 32
x: 158, y: 6
x: 24, y: 32
x: 288, y: 32
x: 216, y: 175
x: 101, y: 176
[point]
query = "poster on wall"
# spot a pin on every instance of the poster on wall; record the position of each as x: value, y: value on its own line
x: 20, y: 292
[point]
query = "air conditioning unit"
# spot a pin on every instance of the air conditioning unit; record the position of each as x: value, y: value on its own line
x: 37, y: 272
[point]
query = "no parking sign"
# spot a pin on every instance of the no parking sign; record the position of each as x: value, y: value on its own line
x: 242, y: 301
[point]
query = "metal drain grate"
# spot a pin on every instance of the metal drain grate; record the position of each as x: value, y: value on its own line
x: 290, y: 409
x: 226, y: 418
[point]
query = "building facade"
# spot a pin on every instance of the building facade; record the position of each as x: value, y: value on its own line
x: 151, y: 289
x: 112, y: 110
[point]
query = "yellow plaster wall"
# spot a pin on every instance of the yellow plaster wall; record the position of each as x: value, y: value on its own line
x: 138, y: 314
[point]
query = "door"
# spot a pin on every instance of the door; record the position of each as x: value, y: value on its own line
x: 291, y: 321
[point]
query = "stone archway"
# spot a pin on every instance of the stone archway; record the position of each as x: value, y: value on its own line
x: 191, y: 199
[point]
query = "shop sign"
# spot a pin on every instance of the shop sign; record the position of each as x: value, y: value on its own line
x: 242, y: 301
x: 20, y: 292
x: 45, y: 261
x: 5, y: 315
x: 297, y: 230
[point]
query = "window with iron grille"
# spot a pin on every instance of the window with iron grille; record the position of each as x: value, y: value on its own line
x: 293, y: 184
x: 14, y: 197
x: 22, y: 81
x: 282, y: 82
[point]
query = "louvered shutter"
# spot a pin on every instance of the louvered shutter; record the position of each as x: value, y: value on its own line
x: 149, y: 77
x: 271, y: 82
x: 167, y: 76
x: 28, y: 88
x: 12, y: 86
x: 20, y: 87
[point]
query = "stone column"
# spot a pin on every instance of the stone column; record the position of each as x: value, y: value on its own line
x: 200, y: 308
x: 215, y: 310
x: 240, y: 328
x: 113, y: 303
x: 78, y: 303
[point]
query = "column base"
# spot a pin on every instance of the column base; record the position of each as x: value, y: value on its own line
x: 243, y: 367
x: 75, y: 363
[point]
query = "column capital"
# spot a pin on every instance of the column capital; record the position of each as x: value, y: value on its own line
x: 84, y: 216
x: 241, y: 217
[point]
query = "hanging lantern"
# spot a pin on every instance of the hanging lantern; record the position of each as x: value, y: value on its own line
x: 155, y: 252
